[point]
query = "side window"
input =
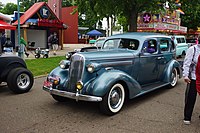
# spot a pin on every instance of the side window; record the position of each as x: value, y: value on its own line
x: 178, y: 40
x: 164, y: 45
x: 150, y: 46
x: 129, y: 43
x: 183, y: 40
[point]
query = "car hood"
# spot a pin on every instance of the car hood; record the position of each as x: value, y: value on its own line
x: 108, y: 54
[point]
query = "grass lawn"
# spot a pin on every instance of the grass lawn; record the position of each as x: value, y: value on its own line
x: 43, y: 66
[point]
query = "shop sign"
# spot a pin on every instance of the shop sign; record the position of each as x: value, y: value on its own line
x: 170, y: 20
x: 145, y: 25
x: 183, y: 29
x: 160, y: 26
x: 172, y: 27
x: 146, y: 17
x: 44, y: 12
x: 50, y: 23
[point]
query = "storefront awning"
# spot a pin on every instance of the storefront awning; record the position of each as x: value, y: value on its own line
x: 4, y: 25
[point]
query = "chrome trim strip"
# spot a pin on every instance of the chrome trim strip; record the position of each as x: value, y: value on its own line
x: 116, y: 58
x: 110, y: 64
x: 71, y: 95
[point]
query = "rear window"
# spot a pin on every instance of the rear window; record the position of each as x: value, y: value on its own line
x: 180, y: 40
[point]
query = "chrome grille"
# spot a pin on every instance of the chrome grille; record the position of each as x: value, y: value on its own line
x: 75, y: 72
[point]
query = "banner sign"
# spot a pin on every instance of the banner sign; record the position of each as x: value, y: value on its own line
x: 50, y: 23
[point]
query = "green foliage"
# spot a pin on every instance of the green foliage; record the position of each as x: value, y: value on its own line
x: 9, y: 8
x: 43, y: 66
x: 1, y: 6
x: 128, y: 10
x: 191, y: 18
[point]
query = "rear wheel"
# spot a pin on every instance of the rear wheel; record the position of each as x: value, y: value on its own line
x: 183, y: 54
x: 45, y: 56
x: 20, y: 80
x: 113, y: 101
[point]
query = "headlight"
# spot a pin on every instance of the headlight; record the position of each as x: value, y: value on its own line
x: 68, y: 56
x: 64, y: 64
x: 79, y: 85
x: 56, y: 82
x: 93, y: 67
x: 90, y: 68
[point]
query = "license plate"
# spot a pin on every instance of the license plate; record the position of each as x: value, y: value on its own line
x: 47, y: 84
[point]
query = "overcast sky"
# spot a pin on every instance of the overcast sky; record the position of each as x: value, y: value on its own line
x: 8, y: 1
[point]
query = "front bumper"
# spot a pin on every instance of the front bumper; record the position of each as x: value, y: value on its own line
x: 71, y: 95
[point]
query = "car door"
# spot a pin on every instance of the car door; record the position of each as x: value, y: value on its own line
x: 149, y: 66
x: 165, y: 55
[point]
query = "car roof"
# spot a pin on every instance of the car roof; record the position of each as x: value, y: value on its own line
x: 138, y: 35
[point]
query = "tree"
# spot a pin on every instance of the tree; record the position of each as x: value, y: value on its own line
x: 128, y: 9
x: 1, y: 6
x: 9, y: 8
x: 191, y: 18
x: 26, y: 4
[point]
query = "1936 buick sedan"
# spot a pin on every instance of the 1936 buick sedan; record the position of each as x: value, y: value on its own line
x: 127, y: 66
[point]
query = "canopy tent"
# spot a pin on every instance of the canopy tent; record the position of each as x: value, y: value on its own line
x: 4, y: 25
x: 94, y: 33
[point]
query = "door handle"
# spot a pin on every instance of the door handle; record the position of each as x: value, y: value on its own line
x: 160, y: 58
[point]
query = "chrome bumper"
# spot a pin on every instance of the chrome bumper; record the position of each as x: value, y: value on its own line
x: 71, y: 95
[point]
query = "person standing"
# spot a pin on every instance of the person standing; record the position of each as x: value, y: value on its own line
x: 189, y: 69
x: 50, y: 38
x: 22, y: 41
x: 198, y: 76
x: 55, y: 43
x: 3, y: 40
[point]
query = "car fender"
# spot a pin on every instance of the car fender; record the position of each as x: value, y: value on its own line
x: 62, y: 74
x: 173, y: 64
x: 101, y: 85
x: 8, y: 67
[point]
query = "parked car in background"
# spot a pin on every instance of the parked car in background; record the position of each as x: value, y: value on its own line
x: 96, y: 46
x: 14, y: 72
x: 99, y: 42
x: 181, y: 45
x: 191, y: 41
x: 127, y: 66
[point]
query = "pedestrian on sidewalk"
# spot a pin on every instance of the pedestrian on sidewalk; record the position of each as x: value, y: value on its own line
x: 189, y: 74
x: 22, y: 41
x: 55, y: 43
x: 50, y: 38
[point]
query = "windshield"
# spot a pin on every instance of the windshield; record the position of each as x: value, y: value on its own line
x: 132, y: 44
x: 99, y: 43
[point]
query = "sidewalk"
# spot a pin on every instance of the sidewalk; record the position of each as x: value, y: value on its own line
x: 66, y: 48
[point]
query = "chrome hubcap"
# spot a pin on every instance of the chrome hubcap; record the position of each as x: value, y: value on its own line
x: 115, y: 98
x: 174, y: 78
x: 23, y: 81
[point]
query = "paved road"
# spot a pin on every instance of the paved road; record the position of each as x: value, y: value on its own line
x: 36, y: 112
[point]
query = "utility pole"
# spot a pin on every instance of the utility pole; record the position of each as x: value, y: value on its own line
x: 21, y: 48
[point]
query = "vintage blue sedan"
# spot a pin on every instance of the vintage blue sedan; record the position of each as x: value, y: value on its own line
x: 127, y: 66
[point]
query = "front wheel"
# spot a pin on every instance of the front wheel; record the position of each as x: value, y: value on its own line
x: 113, y: 101
x: 20, y: 80
x: 37, y: 56
x: 174, y: 78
